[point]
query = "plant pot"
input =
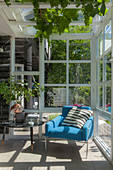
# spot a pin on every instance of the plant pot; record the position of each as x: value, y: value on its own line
x: 20, y: 117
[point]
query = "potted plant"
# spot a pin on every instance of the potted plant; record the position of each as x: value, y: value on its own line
x: 13, y: 90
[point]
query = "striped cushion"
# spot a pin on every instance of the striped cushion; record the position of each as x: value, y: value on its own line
x: 76, y: 117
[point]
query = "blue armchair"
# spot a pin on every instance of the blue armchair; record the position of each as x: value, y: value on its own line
x: 54, y: 129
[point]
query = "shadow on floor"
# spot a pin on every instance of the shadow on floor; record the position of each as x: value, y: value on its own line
x: 60, y: 155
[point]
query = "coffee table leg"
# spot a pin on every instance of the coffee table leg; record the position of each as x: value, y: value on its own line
x: 31, y: 131
x: 3, y: 138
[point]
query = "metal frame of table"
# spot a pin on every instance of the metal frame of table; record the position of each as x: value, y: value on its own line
x: 20, y: 125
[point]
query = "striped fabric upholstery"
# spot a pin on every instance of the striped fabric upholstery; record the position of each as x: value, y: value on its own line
x: 76, y: 117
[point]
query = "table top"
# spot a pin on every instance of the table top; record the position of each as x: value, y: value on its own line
x: 11, y: 124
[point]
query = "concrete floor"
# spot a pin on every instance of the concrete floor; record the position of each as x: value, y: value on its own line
x: 16, y: 154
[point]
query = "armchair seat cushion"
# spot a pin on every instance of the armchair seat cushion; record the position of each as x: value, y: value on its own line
x: 66, y: 132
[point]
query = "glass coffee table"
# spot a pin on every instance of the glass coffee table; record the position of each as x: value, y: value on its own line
x: 10, y: 124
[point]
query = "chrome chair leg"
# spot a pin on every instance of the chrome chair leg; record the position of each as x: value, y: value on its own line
x: 45, y: 144
x: 86, y: 149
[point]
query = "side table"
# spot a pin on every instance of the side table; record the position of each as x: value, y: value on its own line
x: 10, y: 124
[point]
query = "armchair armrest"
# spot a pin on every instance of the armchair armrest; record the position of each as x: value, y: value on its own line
x: 88, y: 128
x: 52, y: 124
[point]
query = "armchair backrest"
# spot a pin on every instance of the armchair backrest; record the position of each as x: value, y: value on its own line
x: 66, y: 109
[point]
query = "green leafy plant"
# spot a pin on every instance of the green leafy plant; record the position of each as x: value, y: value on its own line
x: 57, y: 20
x: 17, y: 90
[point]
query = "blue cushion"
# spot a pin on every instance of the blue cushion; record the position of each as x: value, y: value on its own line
x: 109, y: 109
x: 86, y: 107
x: 66, y: 132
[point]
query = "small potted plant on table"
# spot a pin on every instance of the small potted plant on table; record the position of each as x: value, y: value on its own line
x: 13, y: 90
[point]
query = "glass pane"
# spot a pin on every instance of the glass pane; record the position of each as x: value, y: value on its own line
x: 100, y: 97
x: 79, y: 73
x: 80, y: 95
x: 55, y: 96
x: 34, y: 101
x: 105, y: 132
x: 100, y: 70
x: 80, y: 29
x: 100, y: 43
x: 108, y: 67
x: 108, y: 36
x: 79, y: 50
x: 57, y: 50
x: 27, y: 55
x: 108, y: 97
x: 55, y: 73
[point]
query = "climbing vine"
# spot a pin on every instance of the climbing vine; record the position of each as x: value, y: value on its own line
x: 57, y: 19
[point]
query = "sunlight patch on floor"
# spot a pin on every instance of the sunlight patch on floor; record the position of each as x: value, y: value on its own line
x: 28, y: 157
x: 5, y: 157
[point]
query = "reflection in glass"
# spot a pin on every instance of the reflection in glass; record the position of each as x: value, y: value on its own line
x: 79, y: 50
x: 80, y: 95
x: 104, y: 131
x: 55, y: 96
x: 108, y: 35
x: 57, y: 50
x: 108, y: 96
x: 79, y: 73
x: 108, y: 67
x: 55, y: 73
x: 100, y: 70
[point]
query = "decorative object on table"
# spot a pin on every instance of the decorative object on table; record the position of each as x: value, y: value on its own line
x: 16, y: 108
x: 13, y: 90
x: 32, y: 119
x: 18, y: 111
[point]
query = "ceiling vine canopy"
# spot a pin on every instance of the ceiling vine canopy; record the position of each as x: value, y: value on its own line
x: 57, y: 18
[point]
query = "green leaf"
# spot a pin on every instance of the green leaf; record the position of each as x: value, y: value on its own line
x: 103, y: 8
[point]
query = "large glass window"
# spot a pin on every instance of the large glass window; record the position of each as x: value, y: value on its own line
x: 104, y: 87
x: 67, y: 62
x: 27, y: 67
